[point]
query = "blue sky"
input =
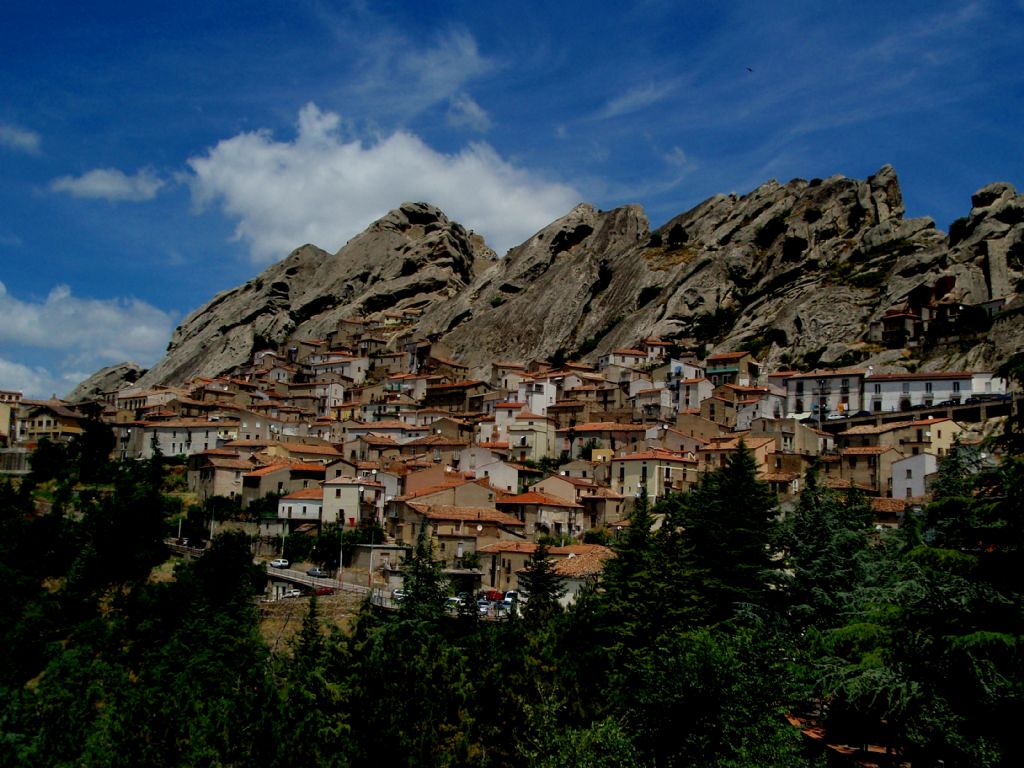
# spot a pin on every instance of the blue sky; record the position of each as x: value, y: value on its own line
x: 152, y: 155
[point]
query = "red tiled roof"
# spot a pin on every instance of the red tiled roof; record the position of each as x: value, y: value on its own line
x: 655, y: 454
x: 267, y: 470
x: 866, y: 450
x: 583, y: 565
x: 305, y: 494
x: 888, y: 505
x: 431, y: 490
x: 323, y: 450
x: 532, y: 497
x: 468, y: 514
x: 300, y: 467
x: 456, y: 384
x: 524, y: 547
x: 606, y: 426
x: 222, y: 463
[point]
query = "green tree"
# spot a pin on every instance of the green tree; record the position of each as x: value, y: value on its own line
x: 731, y: 521
x: 314, y: 727
x: 628, y: 577
x: 423, y: 582
x: 541, y: 586
x: 714, y: 698
x: 828, y: 541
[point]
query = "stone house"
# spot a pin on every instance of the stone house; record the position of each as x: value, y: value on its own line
x: 456, y: 531
x: 544, y: 515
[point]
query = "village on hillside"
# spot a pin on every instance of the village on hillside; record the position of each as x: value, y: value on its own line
x: 359, y: 429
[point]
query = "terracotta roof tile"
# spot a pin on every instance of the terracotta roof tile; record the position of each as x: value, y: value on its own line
x: 467, y: 514
x: 533, y: 497
x: 305, y: 494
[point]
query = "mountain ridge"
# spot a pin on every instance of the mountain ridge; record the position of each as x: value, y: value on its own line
x: 802, y: 273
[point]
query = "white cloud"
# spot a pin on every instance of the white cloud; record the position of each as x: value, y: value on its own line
x: 78, y: 335
x: 19, y: 139
x: 34, y: 383
x: 323, y: 189
x: 464, y: 112
x: 405, y: 75
x: 443, y: 69
x: 111, y: 184
x: 677, y: 157
x: 635, y: 99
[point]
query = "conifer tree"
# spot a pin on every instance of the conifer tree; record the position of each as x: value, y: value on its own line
x: 624, y: 607
x: 423, y: 582
x: 731, y: 522
x: 541, y: 586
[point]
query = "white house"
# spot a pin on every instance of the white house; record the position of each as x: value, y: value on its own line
x: 887, y: 392
x: 825, y: 392
x: 909, y: 474
x: 351, y: 500
x: 538, y: 392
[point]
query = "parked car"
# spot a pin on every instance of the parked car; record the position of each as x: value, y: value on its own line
x: 279, y: 563
x: 483, y: 605
x: 324, y: 591
x: 512, y: 597
x: 493, y: 595
x: 293, y: 593
x: 397, y: 595
x: 315, y: 572
x: 455, y: 602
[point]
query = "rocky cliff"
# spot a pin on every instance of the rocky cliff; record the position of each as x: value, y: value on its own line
x: 413, y: 257
x: 800, y: 273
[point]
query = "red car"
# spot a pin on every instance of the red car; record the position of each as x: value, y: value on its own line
x: 494, y: 595
x: 325, y: 590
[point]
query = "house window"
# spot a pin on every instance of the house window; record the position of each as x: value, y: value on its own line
x: 337, y: 493
x: 956, y: 386
x: 906, y: 388
x: 878, y: 389
x: 910, y: 474
x: 928, y: 386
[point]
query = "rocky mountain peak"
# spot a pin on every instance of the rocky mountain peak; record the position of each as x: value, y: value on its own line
x: 800, y: 273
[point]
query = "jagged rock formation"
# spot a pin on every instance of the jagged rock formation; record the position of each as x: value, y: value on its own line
x: 107, y: 379
x: 799, y: 273
x: 412, y: 257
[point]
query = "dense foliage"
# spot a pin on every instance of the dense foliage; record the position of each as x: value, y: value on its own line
x: 717, y: 618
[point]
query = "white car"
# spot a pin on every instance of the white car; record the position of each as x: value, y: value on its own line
x: 279, y: 563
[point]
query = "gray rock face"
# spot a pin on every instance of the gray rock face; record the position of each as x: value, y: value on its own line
x: 105, y: 380
x: 413, y: 257
x: 797, y: 272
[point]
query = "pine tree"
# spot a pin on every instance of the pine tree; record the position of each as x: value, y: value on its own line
x: 541, y: 586
x: 423, y: 582
x: 623, y: 607
x: 731, y: 520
